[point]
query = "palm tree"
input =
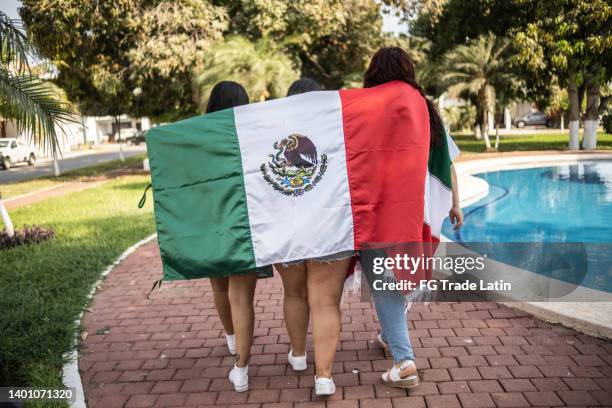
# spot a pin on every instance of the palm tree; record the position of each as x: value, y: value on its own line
x: 31, y: 103
x: 477, y: 69
x: 263, y: 70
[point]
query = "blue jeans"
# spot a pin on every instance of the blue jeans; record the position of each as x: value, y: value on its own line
x: 391, y: 310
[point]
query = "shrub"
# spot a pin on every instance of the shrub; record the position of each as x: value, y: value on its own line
x: 28, y: 235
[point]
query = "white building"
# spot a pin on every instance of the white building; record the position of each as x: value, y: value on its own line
x: 87, y: 130
x: 99, y: 128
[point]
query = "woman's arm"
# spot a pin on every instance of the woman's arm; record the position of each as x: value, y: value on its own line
x: 455, y: 214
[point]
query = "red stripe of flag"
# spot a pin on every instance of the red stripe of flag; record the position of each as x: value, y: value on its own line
x: 386, y: 133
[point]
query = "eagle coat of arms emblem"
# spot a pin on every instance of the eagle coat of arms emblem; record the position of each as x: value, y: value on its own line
x: 295, y: 167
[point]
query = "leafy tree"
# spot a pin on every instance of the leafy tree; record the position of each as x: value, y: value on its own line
x: 571, y: 39
x: 448, y: 23
x: 478, y: 69
x: 330, y: 40
x: 88, y: 41
x: 422, y: 15
x: 171, y: 42
x: 139, y: 56
x: 125, y: 56
x: 31, y: 103
x: 258, y: 66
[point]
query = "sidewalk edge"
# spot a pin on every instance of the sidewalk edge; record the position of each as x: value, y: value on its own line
x: 70, y: 371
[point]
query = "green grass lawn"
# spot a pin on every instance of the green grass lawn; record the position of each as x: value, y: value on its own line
x: 28, y: 186
x: 553, y: 141
x: 43, y: 288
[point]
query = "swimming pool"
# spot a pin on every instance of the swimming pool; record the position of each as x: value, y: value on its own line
x: 565, y: 203
x: 548, y: 208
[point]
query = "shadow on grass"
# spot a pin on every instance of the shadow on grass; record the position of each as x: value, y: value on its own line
x: 140, y: 187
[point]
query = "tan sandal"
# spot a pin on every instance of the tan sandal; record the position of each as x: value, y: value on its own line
x: 403, y: 376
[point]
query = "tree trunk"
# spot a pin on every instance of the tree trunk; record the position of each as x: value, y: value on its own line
x: 118, y: 121
x: 507, y: 119
x: 2, y: 128
x: 589, y: 139
x: 84, y: 128
x: 478, y: 124
x: 581, y: 90
x: 562, y: 123
x: 483, y: 101
x: 6, y: 219
x: 111, y: 138
x: 485, y: 129
x: 56, y: 167
x: 497, y: 137
x: 121, y: 155
x: 574, y: 114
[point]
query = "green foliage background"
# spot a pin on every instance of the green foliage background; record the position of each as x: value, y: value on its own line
x: 140, y: 56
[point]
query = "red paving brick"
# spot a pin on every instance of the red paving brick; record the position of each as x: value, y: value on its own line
x: 169, y: 351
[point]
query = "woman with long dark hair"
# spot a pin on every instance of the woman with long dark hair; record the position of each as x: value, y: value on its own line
x: 294, y: 276
x: 394, y: 64
x: 233, y: 296
x: 314, y: 287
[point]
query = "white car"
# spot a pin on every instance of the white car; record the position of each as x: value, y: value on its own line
x: 126, y: 133
x: 13, y: 151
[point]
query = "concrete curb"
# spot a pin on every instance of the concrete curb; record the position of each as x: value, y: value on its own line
x: 70, y: 371
x: 591, y: 320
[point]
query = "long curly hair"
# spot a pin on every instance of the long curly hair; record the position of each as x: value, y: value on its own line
x: 394, y: 64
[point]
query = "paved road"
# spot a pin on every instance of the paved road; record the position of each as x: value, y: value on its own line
x: 45, y: 168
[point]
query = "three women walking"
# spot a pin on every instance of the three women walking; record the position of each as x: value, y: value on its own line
x: 313, y: 287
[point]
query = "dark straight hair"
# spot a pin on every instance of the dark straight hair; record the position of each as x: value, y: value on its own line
x: 394, y: 64
x: 226, y: 94
x: 303, y: 85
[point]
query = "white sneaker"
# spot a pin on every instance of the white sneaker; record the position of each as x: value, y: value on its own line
x: 297, y: 363
x: 324, y: 386
x: 239, y: 376
x: 231, y: 343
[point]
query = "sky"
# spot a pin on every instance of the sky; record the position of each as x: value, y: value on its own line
x: 392, y: 24
x: 10, y: 7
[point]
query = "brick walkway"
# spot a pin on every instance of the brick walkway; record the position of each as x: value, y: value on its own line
x: 168, y: 352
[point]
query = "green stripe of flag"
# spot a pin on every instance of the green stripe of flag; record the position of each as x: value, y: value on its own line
x: 201, y: 214
x: 440, y: 161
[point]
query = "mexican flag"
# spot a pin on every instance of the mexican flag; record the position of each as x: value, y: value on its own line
x: 296, y: 178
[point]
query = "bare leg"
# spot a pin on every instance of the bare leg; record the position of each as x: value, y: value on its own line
x: 220, y: 288
x: 241, y: 293
x: 295, y: 305
x: 325, y: 284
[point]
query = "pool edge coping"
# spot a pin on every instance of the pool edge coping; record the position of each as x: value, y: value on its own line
x: 474, y: 188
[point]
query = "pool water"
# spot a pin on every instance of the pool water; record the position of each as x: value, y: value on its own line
x: 569, y: 203
x: 549, y: 208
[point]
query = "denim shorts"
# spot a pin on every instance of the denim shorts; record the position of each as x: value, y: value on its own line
x: 327, y: 258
